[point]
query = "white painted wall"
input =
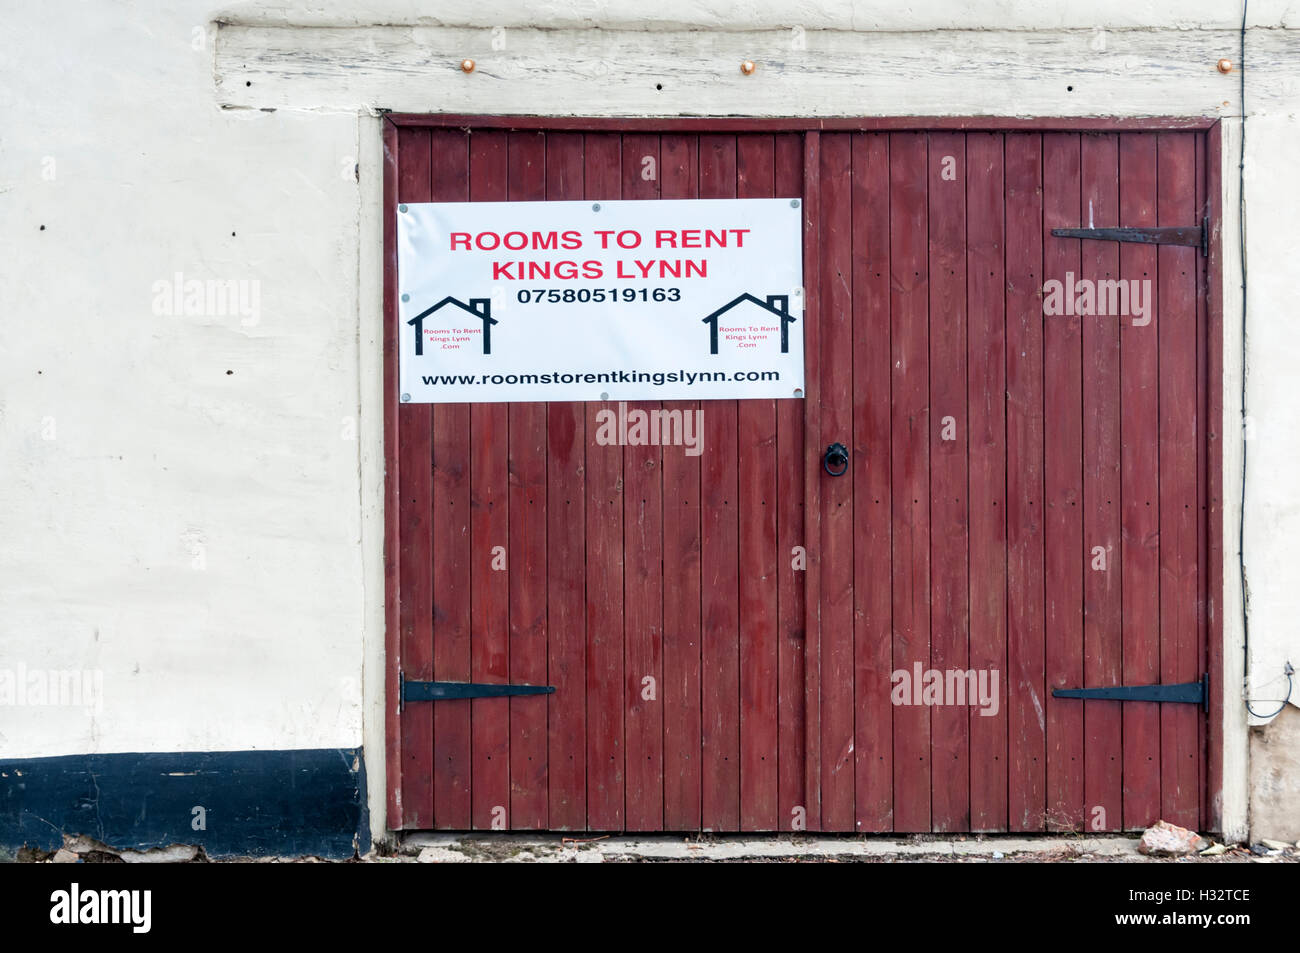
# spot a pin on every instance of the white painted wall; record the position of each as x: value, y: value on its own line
x: 137, y: 446
x: 213, y: 542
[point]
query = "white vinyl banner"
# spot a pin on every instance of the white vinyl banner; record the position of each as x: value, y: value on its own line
x: 636, y: 300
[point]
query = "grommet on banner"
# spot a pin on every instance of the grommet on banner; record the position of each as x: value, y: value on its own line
x: 467, y: 65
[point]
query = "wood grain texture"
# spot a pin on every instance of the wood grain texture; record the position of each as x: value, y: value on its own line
x: 392, y: 493
x: 1026, y: 636
x: 1140, y: 491
x: 986, y: 404
x: 682, y: 699
x: 415, y: 559
x: 839, y: 73
x: 489, y: 436
x: 526, y: 553
x: 1063, y: 475
x: 602, y: 164
x: 566, y: 534
x: 910, y: 466
x: 451, y: 548
x: 811, y: 809
x: 925, y: 261
x: 643, y: 585
x: 835, y: 287
x: 1102, y: 410
x: 949, y: 437
x: 1180, y: 657
x: 789, y: 182
x: 720, y: 529
x: 1214, y: 432
x: 873, y: 496
x: 757, y: 553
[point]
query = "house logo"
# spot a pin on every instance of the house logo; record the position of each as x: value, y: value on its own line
x: 745, y: 335
x: 480, y: 308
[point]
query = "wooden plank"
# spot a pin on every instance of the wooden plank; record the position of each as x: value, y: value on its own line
x: 790, y: 606
x: 1063, y: 473
x: 910, y: 468
x: 696, y: 125
x: 1179, y: 657
x: 451, y: 548
x: 678, y: 170
x: 643, y: 610
x: 872, y: 642
x: 605, y: 745
x: 526, y: 554
x: 986, y: 401
x: 1140, y: 491
x: 949, y: 436
x: 566, y: 583
x: 874, y: 72
x: 415, y: 559
x: 1102, y: 620
x: 757, y: 555
x: 812, y: 468
x: 1213, y: 473
x: 392, y: 493
x: 1204, y: 570
x: 836, y: 402
x: 489, y: 535
x: 1026, y: 691
x: 719, y: 490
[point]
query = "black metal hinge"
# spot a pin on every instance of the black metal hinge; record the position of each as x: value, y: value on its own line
x: 413, y: 691
x: 1193, y: 693
x: 1195, y: 235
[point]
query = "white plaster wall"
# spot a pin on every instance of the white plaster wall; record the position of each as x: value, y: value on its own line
x: 1272, y: 544
x: 270, y: 477
x: 172, y: 433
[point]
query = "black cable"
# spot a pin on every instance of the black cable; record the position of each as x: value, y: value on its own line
x: 1285, y: 701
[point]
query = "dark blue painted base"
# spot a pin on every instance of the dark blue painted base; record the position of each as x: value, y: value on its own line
x: 254, y: 803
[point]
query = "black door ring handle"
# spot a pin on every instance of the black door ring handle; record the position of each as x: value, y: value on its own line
x: 836, y: 460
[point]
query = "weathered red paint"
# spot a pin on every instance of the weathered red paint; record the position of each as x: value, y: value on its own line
x: 732, y: 124
x: 925, y: 257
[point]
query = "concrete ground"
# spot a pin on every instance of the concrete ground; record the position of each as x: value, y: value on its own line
x: 711, y: 848
x: 479, y: 848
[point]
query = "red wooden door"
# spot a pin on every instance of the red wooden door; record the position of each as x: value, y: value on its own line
x: 646, y: 585
x: 1027, y: 495
x: 1028, y: 490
